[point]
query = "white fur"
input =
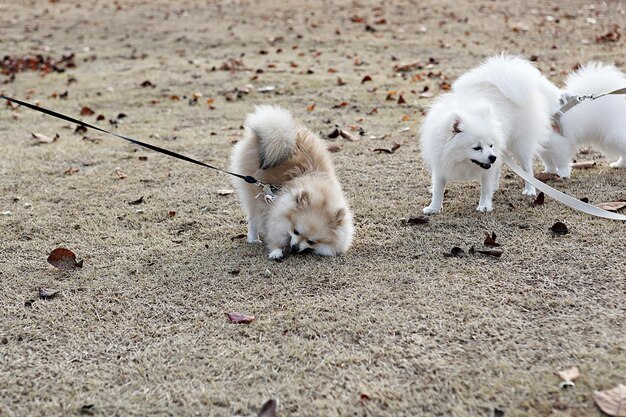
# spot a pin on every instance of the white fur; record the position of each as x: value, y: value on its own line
x: 276, y: 131
x: 502, y: 104
x: 601, y: 122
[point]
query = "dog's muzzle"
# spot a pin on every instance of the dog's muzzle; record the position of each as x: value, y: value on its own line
x: 296, y: 249
x: 481, y: 164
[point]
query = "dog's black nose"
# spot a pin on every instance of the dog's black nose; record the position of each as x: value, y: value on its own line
x: 492, y: 158
x: 295, y: 248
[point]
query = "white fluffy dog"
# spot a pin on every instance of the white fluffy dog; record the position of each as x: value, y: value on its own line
x: 504, y: 104
x: 600, y: 122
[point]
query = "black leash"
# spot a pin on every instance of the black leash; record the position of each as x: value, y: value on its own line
x: 247, y: 178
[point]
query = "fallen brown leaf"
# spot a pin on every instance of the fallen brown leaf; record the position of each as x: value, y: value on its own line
x: 120, y: 174
x: 421, y: 219
x: 541, y: 198
x: 47, y: 294
x: 147, y: 83
x: 340, y: 81
x: 388, y: 151
x: 491, y: 240
x: 71, y: 171
x: 136, y: 202
x: 310, y: 107
x: 268, y: 409
x: 613, y: 401
x: 366, y: 79
x: 239, y: 318
x: 612, y: 206
x: 43, y: 138
x: 64, y: 259
x: 334, y: 148
x: 86, y: 111
x: 547, y: 176
x: 455, y: 252
x: 583, y: 165
x: 408, y: 67
x: 559, y: 228
x: 569, y: 374
x: 401, y: 99
x: 241, y: 236
x: 497, y: 252
x: 348, y: 136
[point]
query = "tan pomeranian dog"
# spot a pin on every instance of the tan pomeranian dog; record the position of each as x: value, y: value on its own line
x: 309, y: 212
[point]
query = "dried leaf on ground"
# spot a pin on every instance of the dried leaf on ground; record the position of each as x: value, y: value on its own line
x: 225, y: 192
x: 87, y: 111
x: 47, y: 293
x: 408, y: 67
x: 366, y: 79
x: 569, y: 374
x: 496, y: 252
x: 268, y: 409
x: 559, y: 228
x: 147, y: 83
x: 421, y: 219
x: 401, y: 99
x: 540, y: 200
x: 240, y: 236
x: 348, y: 136
x: 455, y: 252
x: 547, y: 176
x: 239, y: 318
x: 613, y: 35
x: 310, y: 107
x: 491, y: 240
x: 388, y: 151
x: 64, y: 259
x: 612, y: 206
x: 120, y: 174
x: 613, y: 401
x: 43, y: 138
x: 334, y: 148
x: 136, y: 202
x: 340, y: 82
x: 583, y: 165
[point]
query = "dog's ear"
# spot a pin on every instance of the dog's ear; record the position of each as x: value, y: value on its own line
x: 302, y: 199
x: 456, y: 125
x: 340, y: 216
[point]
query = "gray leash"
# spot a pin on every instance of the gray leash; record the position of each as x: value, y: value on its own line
x: 559, y: 196
x: 568, y: 102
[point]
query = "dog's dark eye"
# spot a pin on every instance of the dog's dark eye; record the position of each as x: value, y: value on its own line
x: 491, y: 146
x: 310, y: 242
x: 295, y: 232
x: 477, y: 148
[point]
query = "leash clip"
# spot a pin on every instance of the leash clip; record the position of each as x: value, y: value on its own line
x: 268, y: 194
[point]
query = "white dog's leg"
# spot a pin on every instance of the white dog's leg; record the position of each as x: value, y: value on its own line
x: 489, y: 182
x: 439, y: 186
x: 620, y: 163
x: 548, y: 163
x: 253, y: 230
x: 527, y: 165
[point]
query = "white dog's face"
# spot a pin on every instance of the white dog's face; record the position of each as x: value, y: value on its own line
x: 475, y: 140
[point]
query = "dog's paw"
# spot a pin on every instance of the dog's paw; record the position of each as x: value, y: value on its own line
x: 484, y: 208
x: 277, y: 255
x: 530, y: 193
x: 254, y: 241
x: 618, y: 164
x: 431, y: 210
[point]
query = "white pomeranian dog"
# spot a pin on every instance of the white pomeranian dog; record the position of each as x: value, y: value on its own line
x: 309, y: 212
x: 600, y: 122
x: 503, y: 104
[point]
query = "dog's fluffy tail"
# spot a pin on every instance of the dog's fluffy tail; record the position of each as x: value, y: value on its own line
x: 515, y: 77
x: 275, y: 130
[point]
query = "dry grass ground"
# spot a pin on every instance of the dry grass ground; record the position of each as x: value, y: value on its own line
x: 393, y: 328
